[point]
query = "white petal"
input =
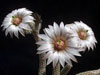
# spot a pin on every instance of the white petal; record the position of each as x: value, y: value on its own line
x: 50, y: 59
x: 42, y: 36
x: 56, y: 29
x: 12, y: 29
x: 67, y: 58
x: 25, y: 26
x: 44, y: 46
x: 40, y: 42
x: 27, y: 19
x: 62, y: 59
x: 47, y: 55
x: 69, y: 62
x: 73, y: 58
x: 6, y: 23
x: 73, y: 42
x: 24, y: 12
x: 51, y: 29
x: 55, y: 61
x: 16, y: 34
x: 6, y: 32
x: 11, y: 34
x: 22, y: 32
x: 73, y: 51
x: 28, y: 11
x: 62, y: 28
x: 47, y: 31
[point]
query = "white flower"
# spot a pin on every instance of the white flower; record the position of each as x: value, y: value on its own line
x: 18, y: 21
x: 84, y: 33
x: 58, y: 45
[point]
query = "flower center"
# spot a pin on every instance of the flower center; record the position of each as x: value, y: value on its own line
x: 17, y: 20
x: 60, y: 45
x: 83, y: 35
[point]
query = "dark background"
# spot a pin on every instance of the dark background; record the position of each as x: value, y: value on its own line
x: 18, y: 56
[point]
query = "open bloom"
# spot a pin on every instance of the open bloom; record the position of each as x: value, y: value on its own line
x: 58, y: 45
x: 18, y: 21
x: 84, y: 33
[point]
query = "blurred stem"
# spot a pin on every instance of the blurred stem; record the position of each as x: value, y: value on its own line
x: 42, y: 62
x: 42, y: 65
x: 66, y: 70
x: 91, y: 72
x: 56, y: 70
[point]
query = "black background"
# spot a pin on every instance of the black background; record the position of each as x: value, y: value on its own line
x: 18, y: 56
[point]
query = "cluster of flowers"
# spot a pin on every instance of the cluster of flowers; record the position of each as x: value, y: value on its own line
x: 61, y: 43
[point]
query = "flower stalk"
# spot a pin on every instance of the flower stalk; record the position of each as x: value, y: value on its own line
x: 56, y: 70
x: 66, y: 70
x: 42, y: 62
